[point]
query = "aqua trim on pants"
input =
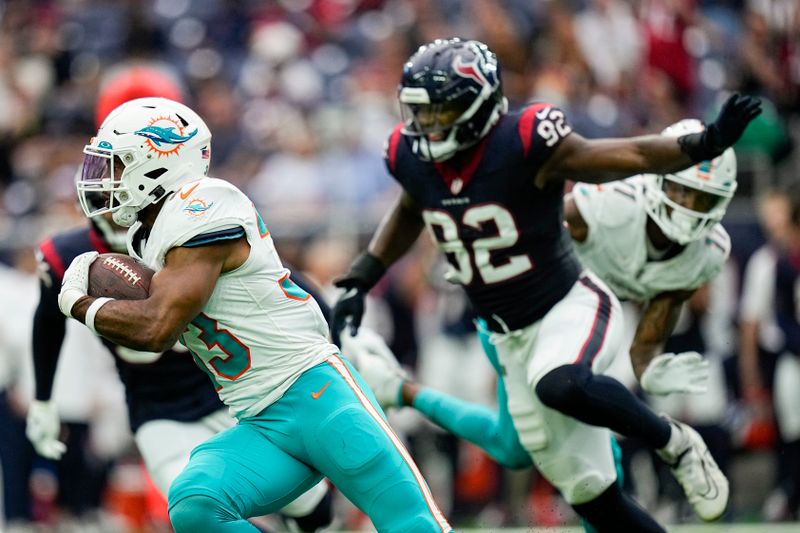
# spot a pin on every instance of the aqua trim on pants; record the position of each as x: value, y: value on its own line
x: 328, y: 423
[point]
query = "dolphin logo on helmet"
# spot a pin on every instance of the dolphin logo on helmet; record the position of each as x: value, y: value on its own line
x: 164, y: 135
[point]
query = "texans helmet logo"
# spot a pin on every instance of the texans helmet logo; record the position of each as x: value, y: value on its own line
x: 477, y: 68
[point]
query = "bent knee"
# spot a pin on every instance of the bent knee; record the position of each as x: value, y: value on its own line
x: 586, y: 487
x: 198, y: 513
x: 564, y: 386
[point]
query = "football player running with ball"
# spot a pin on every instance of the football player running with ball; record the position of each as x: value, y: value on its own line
x: 221, y: 288
x: 172, y: 405
x: 488, y: 185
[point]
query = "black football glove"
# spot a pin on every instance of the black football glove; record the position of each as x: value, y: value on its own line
x: 364, y: 273
x: 733, y: 118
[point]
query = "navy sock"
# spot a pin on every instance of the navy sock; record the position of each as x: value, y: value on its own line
x: 614, y: 511
x: 601, y: 401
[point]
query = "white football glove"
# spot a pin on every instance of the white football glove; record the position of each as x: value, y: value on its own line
x: 75, y: 284
x: 43, y: 427
x: 686, y: 372
x: 377, y: 365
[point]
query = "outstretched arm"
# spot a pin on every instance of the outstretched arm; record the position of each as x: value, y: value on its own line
x: 601, y: 160
x: 396, y: 233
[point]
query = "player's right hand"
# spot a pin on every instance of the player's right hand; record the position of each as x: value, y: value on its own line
x: 686, y: 372
x: 75, y: 284
x: 349, y: 309
x: 43, y: 427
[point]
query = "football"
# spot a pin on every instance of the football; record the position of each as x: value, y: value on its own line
x: 119, y: 276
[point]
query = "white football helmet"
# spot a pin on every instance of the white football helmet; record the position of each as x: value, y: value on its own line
x: 716, y: 177
x: 145, y: 149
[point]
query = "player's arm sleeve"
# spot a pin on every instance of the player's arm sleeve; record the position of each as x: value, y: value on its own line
x: 542, y: 128
x: 49, y: 326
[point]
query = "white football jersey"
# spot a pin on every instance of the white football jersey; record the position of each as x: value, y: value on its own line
x: 259, y: 331
x: 616, y: 247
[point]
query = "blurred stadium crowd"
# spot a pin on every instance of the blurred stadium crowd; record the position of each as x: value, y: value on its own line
x: 300, y: 96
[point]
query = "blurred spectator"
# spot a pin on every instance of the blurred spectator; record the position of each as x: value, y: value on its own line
x: 613, y: 23
x: 787, y: 386
x: 760, y: 339
x: 665, y: 25
x: 18, y: 297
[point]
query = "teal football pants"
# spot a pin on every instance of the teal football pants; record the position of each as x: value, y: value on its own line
x: 327, y: 424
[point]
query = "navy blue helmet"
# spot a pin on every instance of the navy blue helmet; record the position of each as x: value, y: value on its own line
x: 450, y: 97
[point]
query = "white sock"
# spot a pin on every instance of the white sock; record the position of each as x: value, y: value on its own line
x: 674, y: 446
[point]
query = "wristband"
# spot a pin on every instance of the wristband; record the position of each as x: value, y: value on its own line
x: 94, y: 307
x: 695, y: 145
x: 366, y: 271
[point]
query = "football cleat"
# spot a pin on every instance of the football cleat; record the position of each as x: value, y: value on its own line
x: 705, y: 485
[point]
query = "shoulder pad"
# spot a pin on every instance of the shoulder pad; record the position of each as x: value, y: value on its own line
x: 541, y: 128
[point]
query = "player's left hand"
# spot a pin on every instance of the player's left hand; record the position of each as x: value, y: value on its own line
x: 75, y: 284
x: 349, y: 309
x: 736, y: 113
x: 686, y: 372
x: 733, y: 118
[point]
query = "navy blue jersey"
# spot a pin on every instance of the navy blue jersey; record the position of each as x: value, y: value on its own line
x: 503, y: 236
x: 171, y: 388
x: 787, y: 299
